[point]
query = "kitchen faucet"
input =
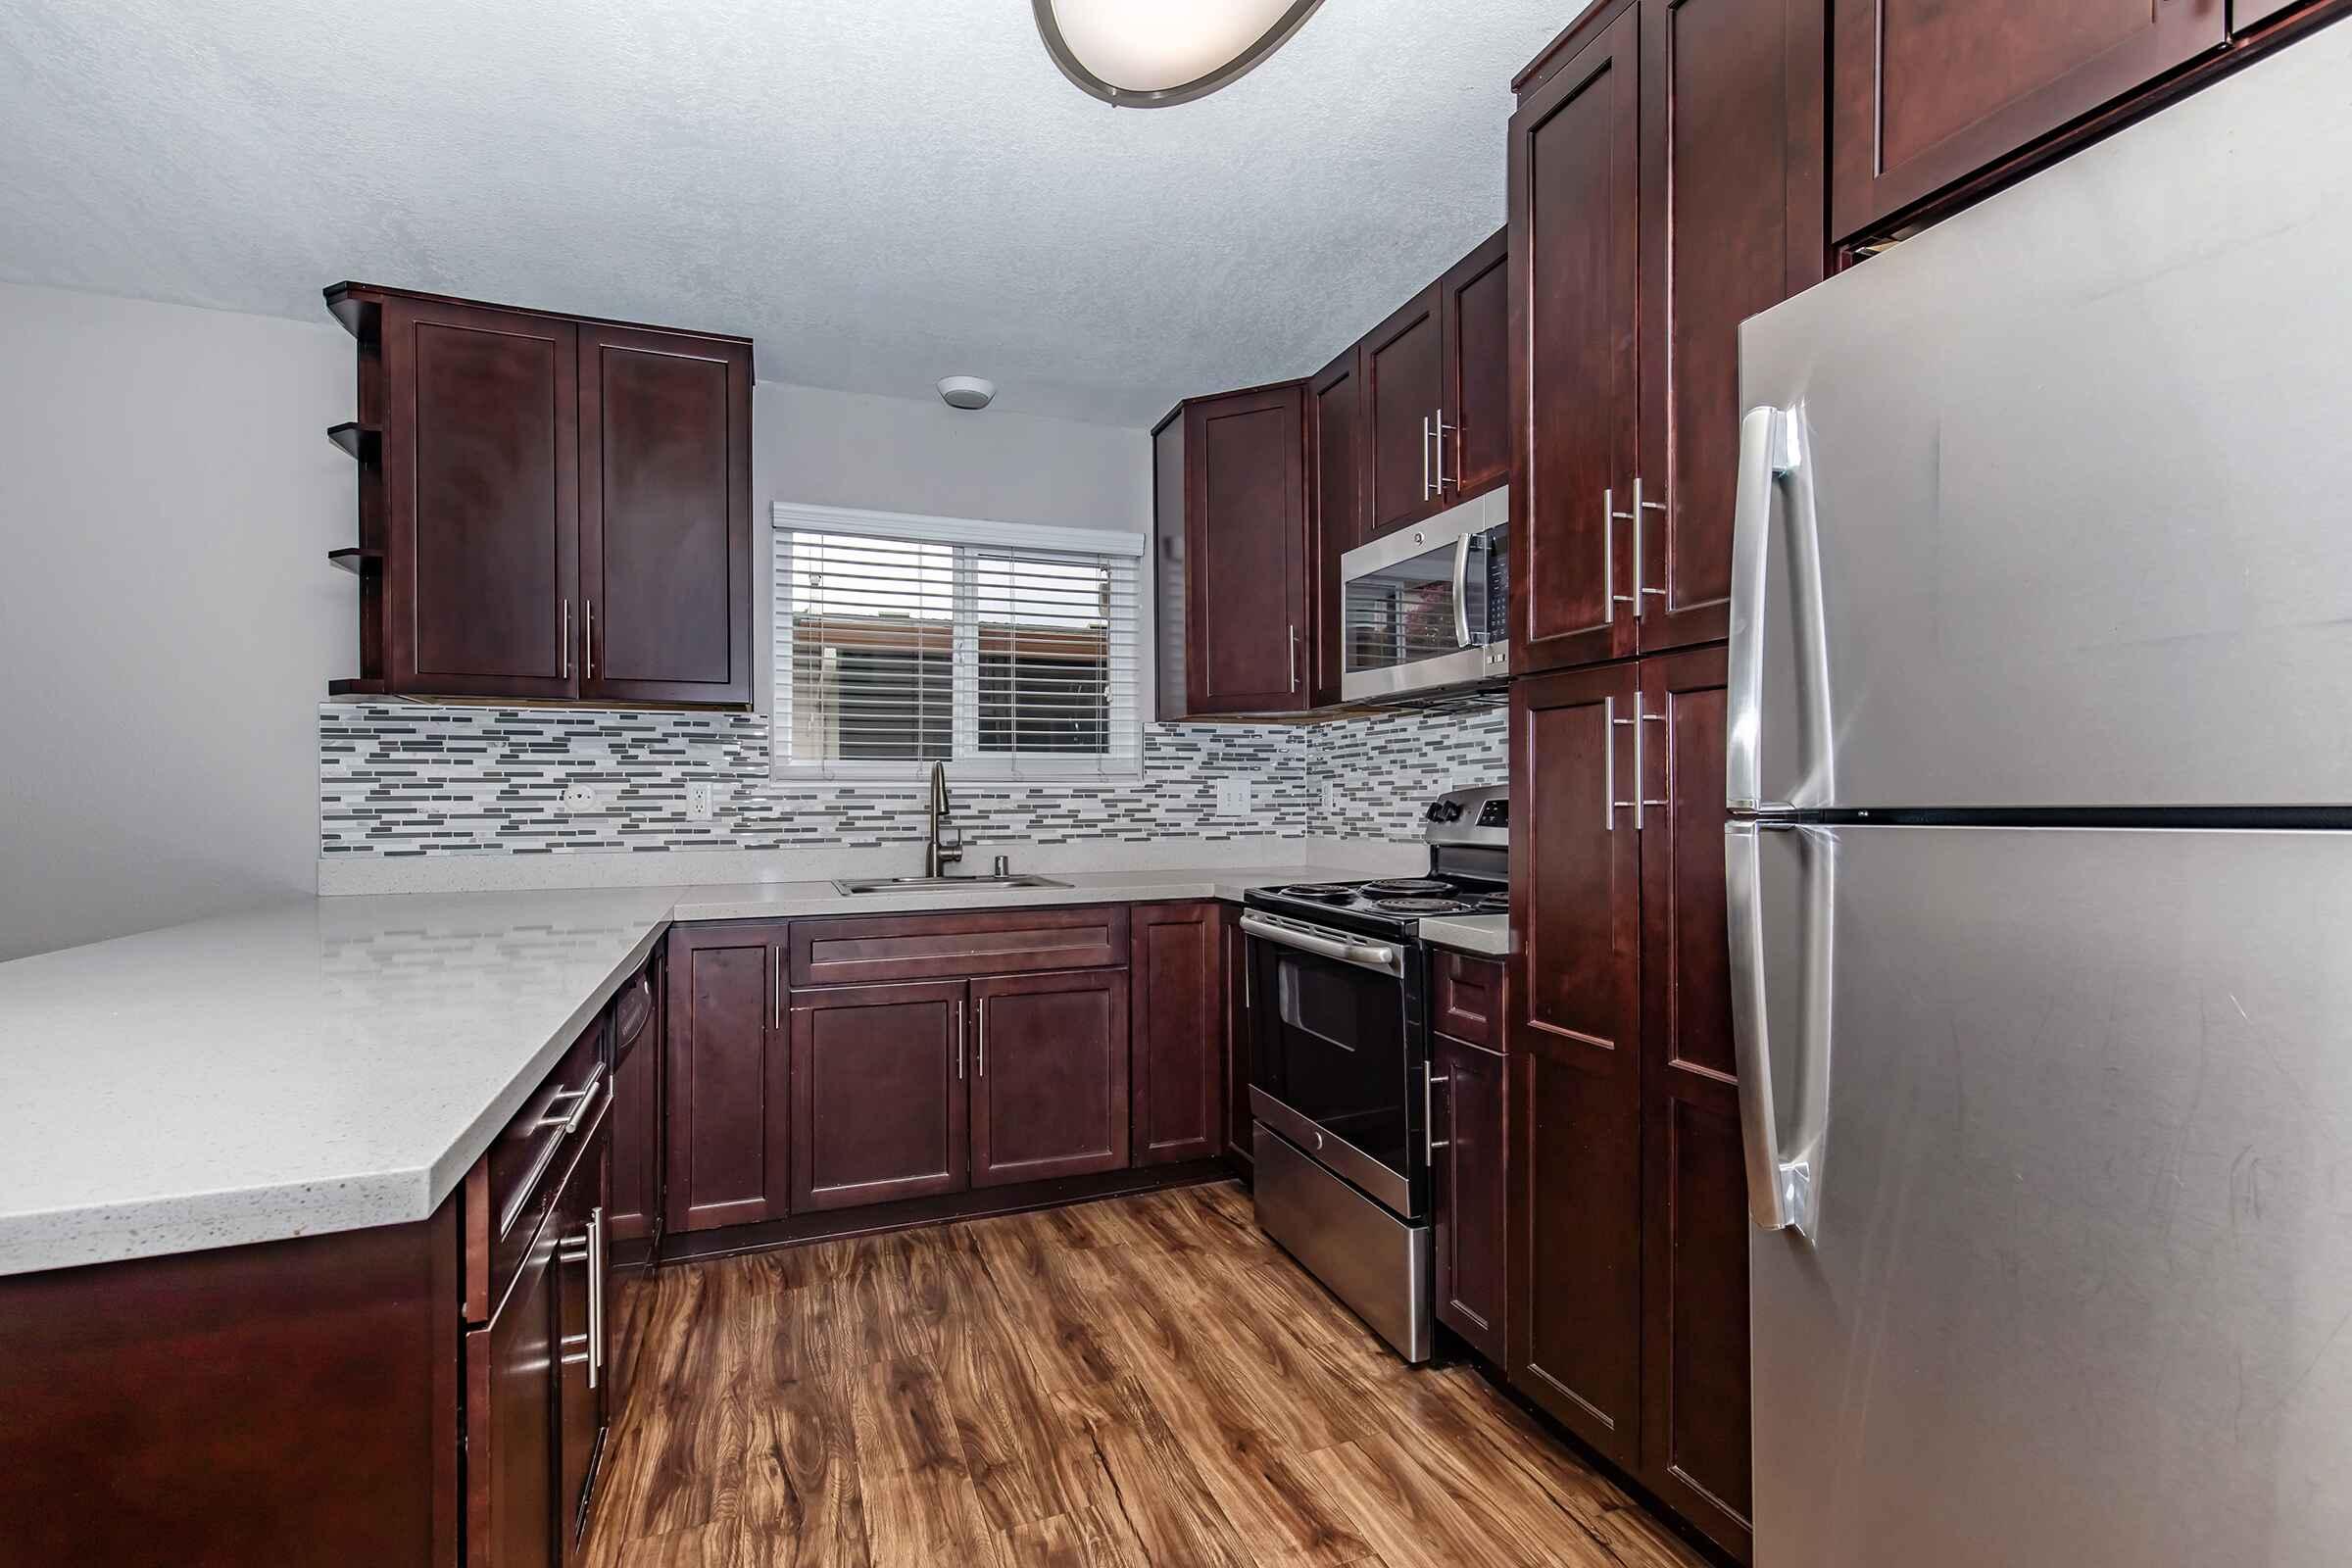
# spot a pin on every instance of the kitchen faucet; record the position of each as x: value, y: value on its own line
x: 946, y: 844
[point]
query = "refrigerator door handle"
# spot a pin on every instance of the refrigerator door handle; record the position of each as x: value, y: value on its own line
x: 1784, y: 1182
x: 1772, y: 457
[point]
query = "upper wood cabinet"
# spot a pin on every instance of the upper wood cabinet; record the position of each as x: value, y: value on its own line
x: 550, y: 508
x: 1337, y: 497
x: 1474, y: 316
x: 1574, y: 246
x: 1665, y: 184
x: 1404, y: 392
x: 1247, y: 586
x: 1929, y: 92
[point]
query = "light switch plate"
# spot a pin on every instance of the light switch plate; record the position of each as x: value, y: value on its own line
x: 1232, y: 797
x: 579, y: 797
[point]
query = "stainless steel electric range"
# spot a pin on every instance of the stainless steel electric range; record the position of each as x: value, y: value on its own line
x: 1340, y: 1078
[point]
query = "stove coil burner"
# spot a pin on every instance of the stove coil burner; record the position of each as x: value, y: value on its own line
x: 1420, y: 907
x: 1407, y: 887
x: 1492, y: 903
x: 1318, y: 893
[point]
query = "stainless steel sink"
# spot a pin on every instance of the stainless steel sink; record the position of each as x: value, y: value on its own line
x: 939, y: 884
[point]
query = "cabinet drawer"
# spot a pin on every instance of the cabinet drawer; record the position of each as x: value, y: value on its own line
x: 1466, y: 997
x: 925, y: 946
x: 508, y: 1189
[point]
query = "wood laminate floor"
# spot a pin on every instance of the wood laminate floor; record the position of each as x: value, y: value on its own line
x: 1140, y: 1383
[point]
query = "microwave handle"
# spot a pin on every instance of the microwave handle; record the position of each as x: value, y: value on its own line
x: 1461, y: 592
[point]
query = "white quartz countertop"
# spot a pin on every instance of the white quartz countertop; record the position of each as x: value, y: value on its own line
x: 335, y: 1063
x: 1471, y: 933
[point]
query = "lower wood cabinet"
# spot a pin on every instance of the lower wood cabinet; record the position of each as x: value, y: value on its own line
x: 1238, y: 1141
x: 879, y: 1092
x: 1472, y: 1198
x: 1628, y: 1269
x: 1178, y: 954
x: 1050, y: 1087
x: 727, y: 1117
x: 634, y: 1212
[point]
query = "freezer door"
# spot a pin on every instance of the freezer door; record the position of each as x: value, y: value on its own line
x: 2078, y: 1288
x: 2059, y: 508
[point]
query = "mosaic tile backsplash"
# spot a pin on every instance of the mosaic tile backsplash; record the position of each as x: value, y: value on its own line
x: 413, y: 779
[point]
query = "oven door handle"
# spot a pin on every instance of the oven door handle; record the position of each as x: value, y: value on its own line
x: 1363, y: 954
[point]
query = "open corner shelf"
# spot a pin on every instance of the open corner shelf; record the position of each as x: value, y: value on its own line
x: 353, y: 560
x: 356, y: 439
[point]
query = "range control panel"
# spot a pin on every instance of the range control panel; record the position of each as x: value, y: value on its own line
x: 1470, y: 817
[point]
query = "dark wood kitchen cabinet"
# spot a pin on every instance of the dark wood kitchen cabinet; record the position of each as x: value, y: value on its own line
x: 1474, y: 316
x: 583, y: 1337
x: 1472, y: 1201
x: 1575, y: 249
x: 1405, y: 391
x: 1929, y: 92
x: 550, y: 508
x: 1337, y: 493
x: 1049, y: 1092
x: 1238, y: 999
x: 1248, y: 585
x: 1665, y: 184
x: 1575, y: 1253
x: 1179, y: 1046
x: 879, y: 1092
x: 727, y: 1114
x: 1694, y: 1360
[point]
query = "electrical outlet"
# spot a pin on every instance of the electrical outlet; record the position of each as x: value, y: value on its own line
x: 579, y: 797
x: 701, y: 802
x: 1331, y: 796
x: 1232, y: 797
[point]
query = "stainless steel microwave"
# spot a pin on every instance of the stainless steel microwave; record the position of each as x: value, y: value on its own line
x: 1422, y: 608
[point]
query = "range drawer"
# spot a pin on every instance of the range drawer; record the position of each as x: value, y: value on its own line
x: 508, y: 1189
x: 862, y: 950
x: 1465, y: 997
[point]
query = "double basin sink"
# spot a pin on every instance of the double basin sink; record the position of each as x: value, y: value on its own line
x: 938, y: 884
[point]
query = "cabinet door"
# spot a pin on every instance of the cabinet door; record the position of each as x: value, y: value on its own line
x: 1694, y: 1427
x: 509, y: 1421
x: 1472, y: 1196
x: 1575, y: 1109
x: 1049, y: 1076
x: 583, y: 1343
x: 878, y: 1094
x: 1733, y: 224
x: 1170, y: 630
x: 1474, y: 308
x: 637, y: 1141
x: 481, y: 471
x: 1246, y: 540
x: 665, y: 518
x: 1404, y: 386
x: 1339, y: 497
x: 1927, y: 92
x: 1575, y: 206
x: 1178, y: 1036
x: 728, y: 1118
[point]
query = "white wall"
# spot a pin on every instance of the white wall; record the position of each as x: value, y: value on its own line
x: 846, y: 449
x: 168, y: 617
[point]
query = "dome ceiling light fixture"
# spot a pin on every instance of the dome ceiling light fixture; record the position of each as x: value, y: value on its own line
x: 1151, y: 54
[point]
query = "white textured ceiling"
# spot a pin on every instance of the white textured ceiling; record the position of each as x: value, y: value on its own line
x: 880, y: 191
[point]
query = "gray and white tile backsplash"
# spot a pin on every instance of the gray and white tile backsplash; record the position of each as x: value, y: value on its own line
x: 410, y: 779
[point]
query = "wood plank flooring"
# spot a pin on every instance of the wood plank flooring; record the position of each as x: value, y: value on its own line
x: 1139, y: 1383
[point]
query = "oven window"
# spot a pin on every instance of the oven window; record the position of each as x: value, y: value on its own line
x: 1330, y: 1044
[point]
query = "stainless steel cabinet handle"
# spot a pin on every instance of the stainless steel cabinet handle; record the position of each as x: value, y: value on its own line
x: 1293, y: 658
x: 1440, y: 430
x: 980, y: 1070
x: 596, y: 1296
x: 1642, y: 778
x: 1610, y: 805
x: 1429, y: 1117
x: 1425, y: 435
x: 775, y: 1004
x: 588, y: 637
x: 564, y: 641
x: 959, y: 1042
x: 1610, y: 517
x: 1642, y: 595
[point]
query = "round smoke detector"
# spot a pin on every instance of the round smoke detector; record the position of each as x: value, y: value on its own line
x: 967, y: 391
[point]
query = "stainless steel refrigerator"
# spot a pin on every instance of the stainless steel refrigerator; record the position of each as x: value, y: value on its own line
x: 2041, y: 865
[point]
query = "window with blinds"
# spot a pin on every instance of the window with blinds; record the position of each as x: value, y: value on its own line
x: 998, y: 649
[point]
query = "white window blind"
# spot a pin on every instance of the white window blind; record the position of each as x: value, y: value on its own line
x: 997, y: 648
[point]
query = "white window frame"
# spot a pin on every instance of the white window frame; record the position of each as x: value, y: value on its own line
x: 968, y: 760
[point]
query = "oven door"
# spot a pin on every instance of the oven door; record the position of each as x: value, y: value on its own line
x: 1339, y: 1057
x: 1420, y: 607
